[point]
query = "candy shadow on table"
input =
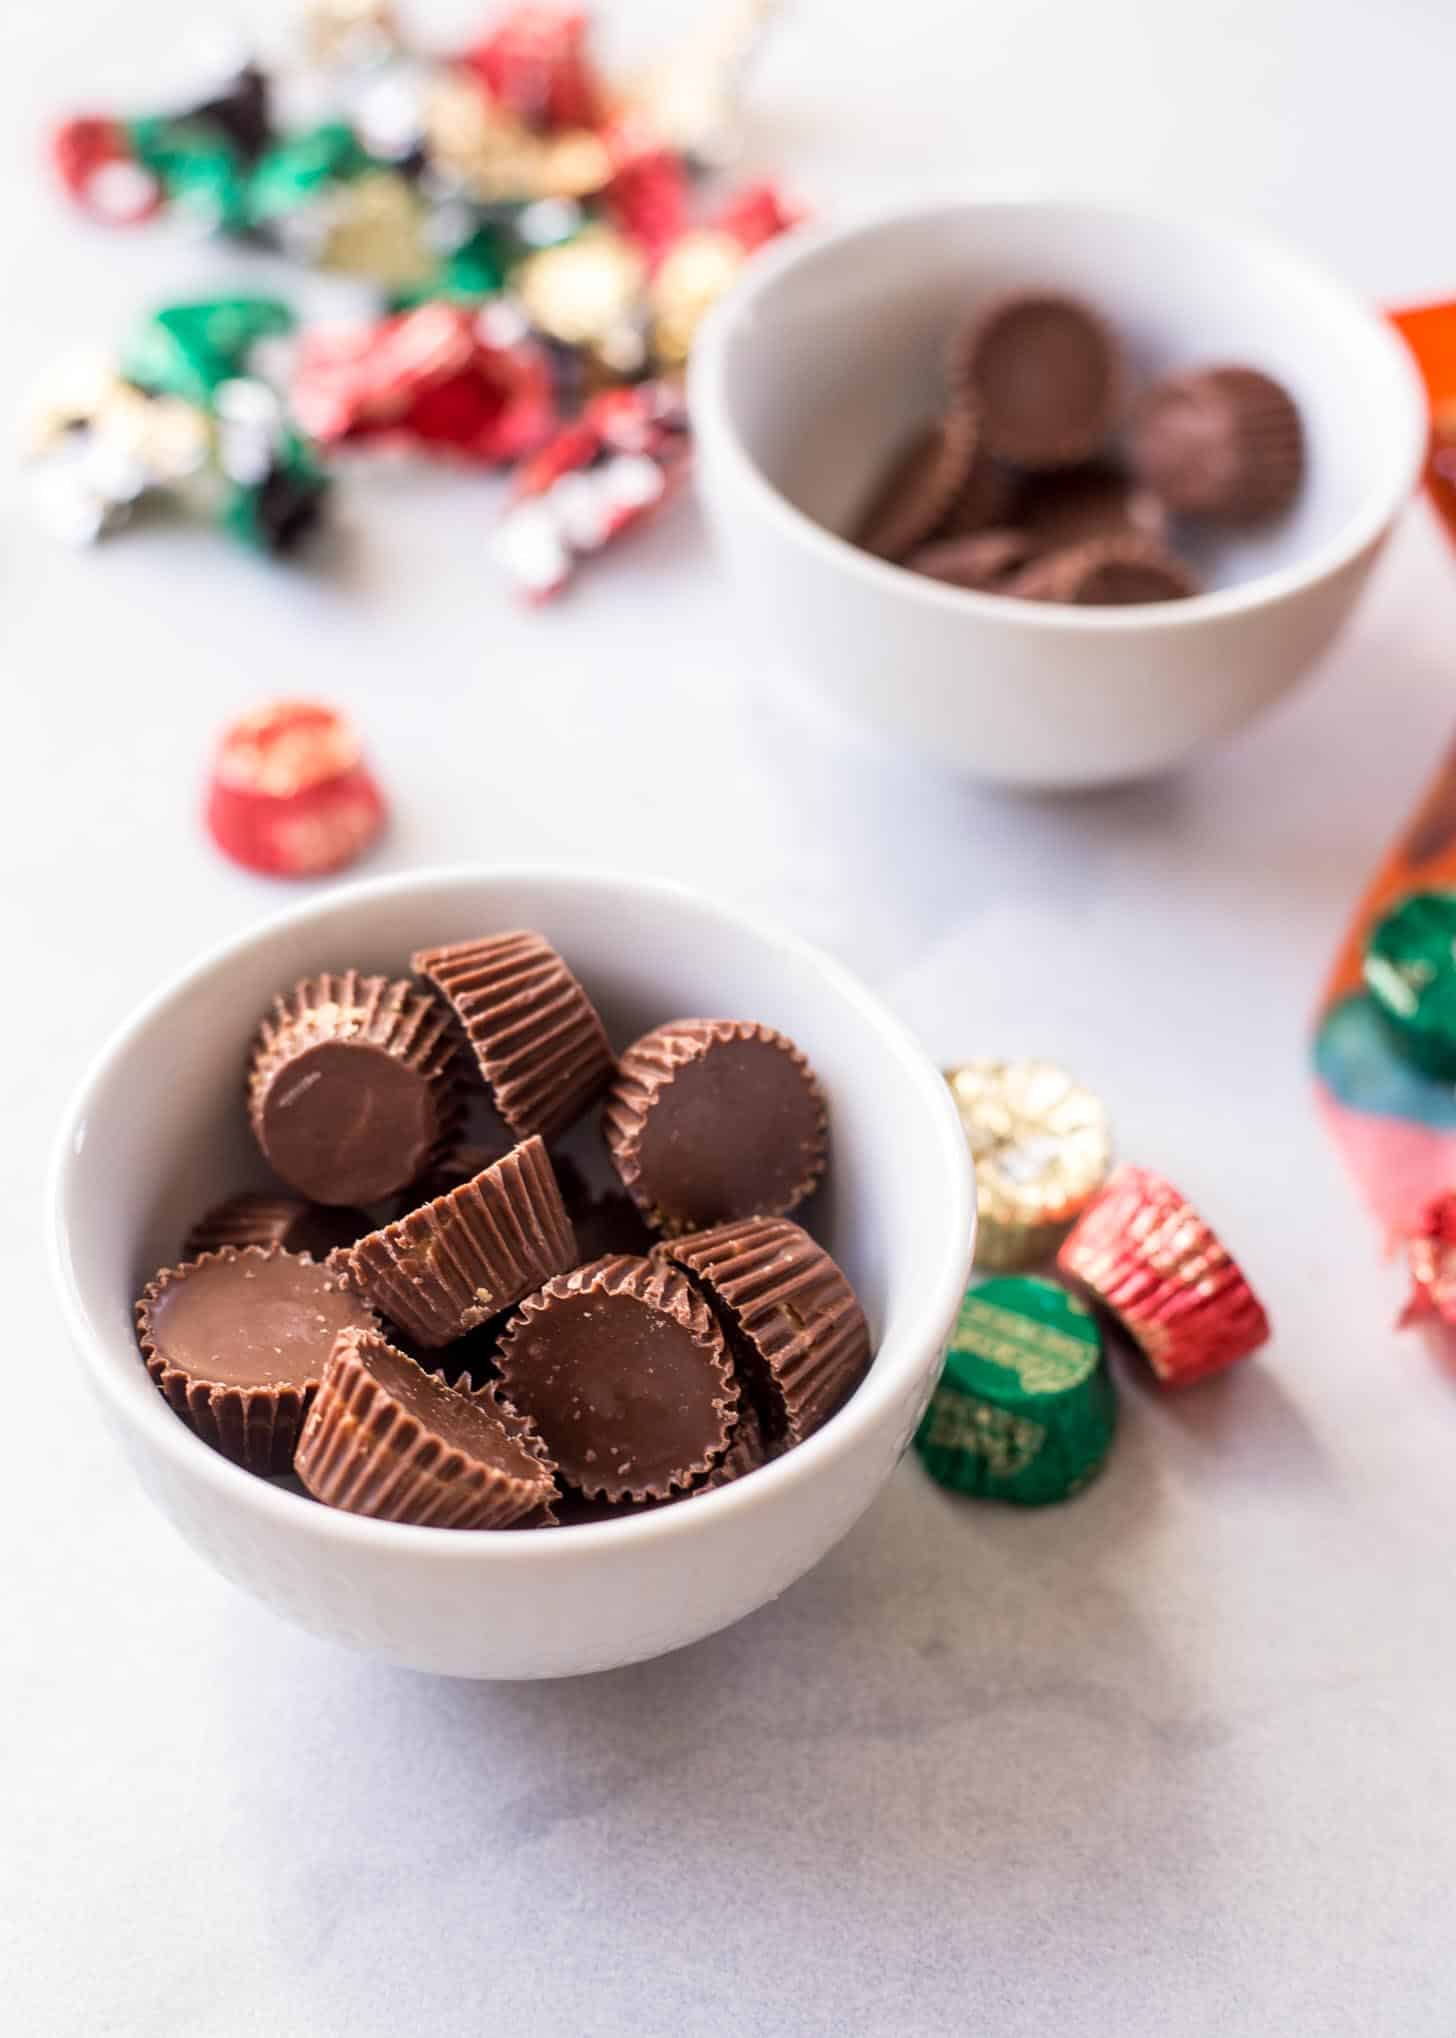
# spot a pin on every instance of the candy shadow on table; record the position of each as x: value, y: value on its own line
x: 1243, y: 1418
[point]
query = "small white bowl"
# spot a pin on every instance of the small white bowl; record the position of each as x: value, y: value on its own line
x: 811, y: 372
x: 157, y: 1132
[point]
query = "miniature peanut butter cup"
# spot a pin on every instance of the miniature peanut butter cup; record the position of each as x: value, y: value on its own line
x: 794, y: 1325
x: 455, y: 1262
x: 385, y: 1438
x: 353, y: 1092
x: 626, y: 1377
x: 1225, y: 443
x: 542, y: 1049
x: 747, y: 1450
x: 1105, y: 573
x: 258, y: 1218
x: 984, y: 499
x: 237, y: 1340
x: 985, y: 563
x: 919, y: 486
x: 1044, y: 372
x: 714, y: 1119
x: 1071, y: 505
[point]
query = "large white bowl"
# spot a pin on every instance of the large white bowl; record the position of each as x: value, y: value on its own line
x: 157, y: 1131
x: 819, y: 364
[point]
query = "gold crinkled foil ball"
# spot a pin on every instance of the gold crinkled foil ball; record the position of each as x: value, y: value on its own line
x: 1042, y: 1148
x: 693, y: 276
x: 584, y: 291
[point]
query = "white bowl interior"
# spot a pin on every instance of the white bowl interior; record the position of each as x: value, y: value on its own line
x: 832, y: 359
x: 160, y: 1130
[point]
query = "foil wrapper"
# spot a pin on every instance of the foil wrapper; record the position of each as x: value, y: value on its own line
x: 1042, y: 1148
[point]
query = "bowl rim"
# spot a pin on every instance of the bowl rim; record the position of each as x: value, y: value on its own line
x: 162, y: 1431
x: 713, y: 422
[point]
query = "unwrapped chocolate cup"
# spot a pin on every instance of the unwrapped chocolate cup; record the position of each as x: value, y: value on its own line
x: 626, y: 1377
x: 1043, y: 371
x: 352, y: 1092
x: 387, y: 1439
x: 540, y: 1044
x: 984, y: 500
x: 794, y: 1325
x: 920, y: 486
x: 1105, y: 573
x: 259, y: 1218
x: 453, y: 1263
x: 985, y: 563
x: 1071, y: 505
x: 714, y: 1119
x: 237, y: 1341
x: 1225, y: 443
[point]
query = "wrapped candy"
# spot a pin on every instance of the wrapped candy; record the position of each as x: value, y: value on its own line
x: 626, y: 456
x: 532, y: 226
x: 290, y: 794
x: 440, y: 378
x: 179, y: 412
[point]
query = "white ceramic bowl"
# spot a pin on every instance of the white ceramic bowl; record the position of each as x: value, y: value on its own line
x: 157, y: 1131
x: 819, y: 364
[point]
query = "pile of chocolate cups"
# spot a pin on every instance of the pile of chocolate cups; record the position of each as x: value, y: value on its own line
x: 434, y: 1318
x: 1036, y: 482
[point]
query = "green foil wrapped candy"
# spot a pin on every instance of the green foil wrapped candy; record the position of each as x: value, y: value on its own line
x: 1410, y: 973
x: 1025, y: 1409
x: 198, y: 168
x: 290, y: 173
x: 190, y: 350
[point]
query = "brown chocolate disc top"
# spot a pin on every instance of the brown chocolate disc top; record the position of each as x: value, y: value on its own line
x: 455, y: 1262
x: 237, y: 1341
x: 263, y: 1219
x: 712, y: 1119
x: 626, y: 1377
x: 352, y: 1090
x: 385, y: 1438
x: 794, y: 1325
x: 920, y: 486
x: 1111, y: 572
x: 1225, y: 443
x: 539, y: 1043
x: 1044, y: 371
x: 1074, y: 504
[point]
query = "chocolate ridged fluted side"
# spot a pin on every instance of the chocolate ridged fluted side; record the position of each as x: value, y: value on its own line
x: 626, y: 1375
x: 536, y: 1034
x: 255, y: 1422
x: 440, y: 1270
x: 767, y: 1148
x: 261, y: 1218
x: 385, y: 1439
x: 795, y: 1325
x: 401, y: 1083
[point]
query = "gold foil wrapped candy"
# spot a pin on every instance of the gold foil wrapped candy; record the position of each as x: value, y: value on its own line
x: 492, y: 156
x: 693, y: 274
x: 1042, y: 1149
x: 585, y: 293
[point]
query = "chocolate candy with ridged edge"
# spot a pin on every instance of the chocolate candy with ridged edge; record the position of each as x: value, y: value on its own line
x: 1025, y: 1409
x: 1410, y: 973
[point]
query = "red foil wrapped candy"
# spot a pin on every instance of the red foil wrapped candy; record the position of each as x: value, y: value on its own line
x: 441, y: 376
x: 1430, y: 1253
x: 614, y: 467
x: 1147, y: 1256
x: 99, y: 173
x: 290, y: 794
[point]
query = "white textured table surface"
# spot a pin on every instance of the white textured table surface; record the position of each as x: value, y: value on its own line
x: 1175, y: 1759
